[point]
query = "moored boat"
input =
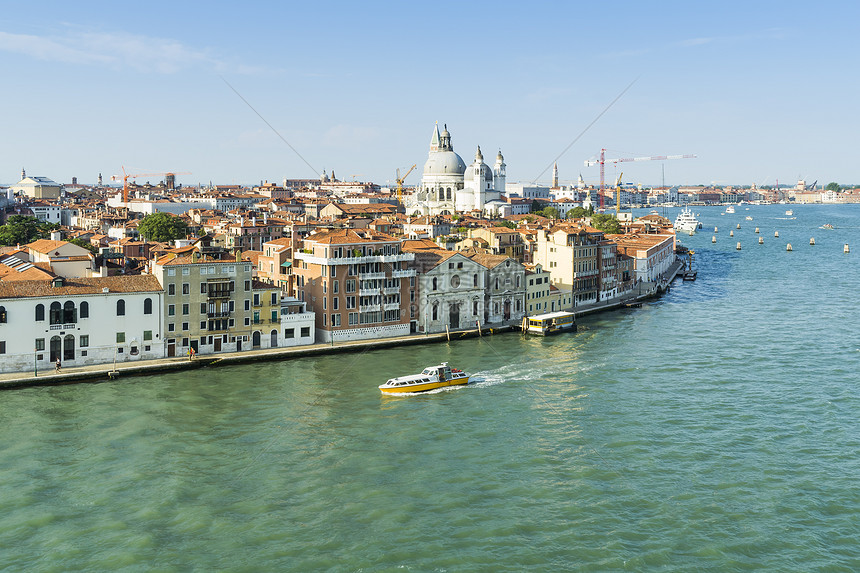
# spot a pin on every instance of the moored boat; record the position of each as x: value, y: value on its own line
x: 430, y: 378
x: 550, y: 323
x: 828, y: 226
x: 730, y: 209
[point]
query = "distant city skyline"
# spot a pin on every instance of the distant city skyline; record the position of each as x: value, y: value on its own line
x: 760, y: 92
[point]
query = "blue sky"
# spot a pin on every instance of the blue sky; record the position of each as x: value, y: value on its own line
x: 759, y: 91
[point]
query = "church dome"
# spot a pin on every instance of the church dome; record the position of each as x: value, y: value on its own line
x: 444, y: 163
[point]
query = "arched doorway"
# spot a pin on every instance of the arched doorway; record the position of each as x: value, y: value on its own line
x: 274, y: 339
x: 69, y: 347
x: 255, y: 339
x: 56, y: 348
x: 507, y: 309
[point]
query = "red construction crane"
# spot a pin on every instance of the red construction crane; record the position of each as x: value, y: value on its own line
x: 602, y: 160
x: 126, y: 176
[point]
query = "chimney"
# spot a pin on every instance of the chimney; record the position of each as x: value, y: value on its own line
x: 238, y: 256
x: 195, y: 257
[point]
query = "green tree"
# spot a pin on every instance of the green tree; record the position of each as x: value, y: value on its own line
x: 85, y: 244
x: 606, y: 223
x: 576, y: 213
x: 550, y: 212
x: 507, y: 224
x: 23, y: 229
x: 536, y: 206
x: 832, y: 186
x: 162, y: 227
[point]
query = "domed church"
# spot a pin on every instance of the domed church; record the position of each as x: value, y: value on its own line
x: 447, y: 185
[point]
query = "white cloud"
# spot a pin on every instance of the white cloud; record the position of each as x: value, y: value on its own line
x: 141, y: 53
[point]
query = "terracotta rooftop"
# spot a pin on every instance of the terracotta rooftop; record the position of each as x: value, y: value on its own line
x: 78, y: 286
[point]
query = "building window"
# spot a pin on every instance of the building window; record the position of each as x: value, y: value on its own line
x: 171, y: 272
x: 40, y: 312
x: 350, y: 285
x: 435, y: 310
x: 202, y: 308
x: 247, y: 304
x: 84, y: 340
x: 434, y: 283
x: 306, y: 331
x: 2, y: 347
x: 290, y: 333
x: 274, y: 316
x: 56, y: 313
x: 69, y: 314
x: 204, y: 287
x: 274, y: 298
x: 475, y: 280
x: 171, y: 327
x: 171, y: 309
x: 40, y: 344
x: 184, y: 326
x: 247, y: 321
x: 171, y: 289
x: 186, y: 288
x: 335, y: 303
x: 247, y: 286
x: 335, y: 319
x: 120, y: 337
x: 186, y: 308
x: 147, y: 335
x: 186, y: 271
x: 120, y: 307
x: 334, y: 287
x: 2, y: 314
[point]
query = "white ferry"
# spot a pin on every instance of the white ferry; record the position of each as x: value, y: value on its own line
x: 730, y: 209
x: 686, y: 221
x: 550, y: 323
x: 430, y: 378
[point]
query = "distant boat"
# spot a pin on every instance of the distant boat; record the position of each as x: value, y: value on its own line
x: 686, y: 221
x: 730, y: 209
x: 748, y: 218
x: 828, y: 226
x: 789, y: 212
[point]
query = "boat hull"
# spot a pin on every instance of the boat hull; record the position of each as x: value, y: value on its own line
x: 423, y: 386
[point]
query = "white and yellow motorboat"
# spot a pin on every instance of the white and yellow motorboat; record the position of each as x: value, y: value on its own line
x: 430, y: 378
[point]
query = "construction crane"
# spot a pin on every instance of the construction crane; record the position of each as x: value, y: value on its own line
x: 400, y: 181
x: 126, y: 176
x: 602, y: 160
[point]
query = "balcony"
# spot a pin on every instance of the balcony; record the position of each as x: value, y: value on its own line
x: 63, y: 326
x: 297, y: 317
x: 224, y: 314
x: 403, y: 274
x: 309, y: 258
x: 372, y: 307
x: 391, y: 290
x: 391, y: 306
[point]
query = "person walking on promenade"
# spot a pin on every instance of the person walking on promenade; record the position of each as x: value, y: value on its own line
x: 190, y: 354
x: 58, y: 365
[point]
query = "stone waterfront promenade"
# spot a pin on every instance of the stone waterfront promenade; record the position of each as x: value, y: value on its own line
x: 105, y: 372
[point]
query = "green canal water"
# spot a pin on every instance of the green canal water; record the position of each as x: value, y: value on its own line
x: 714, y: 429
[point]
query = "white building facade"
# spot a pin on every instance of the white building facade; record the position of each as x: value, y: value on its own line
x: 447, y: 185
x: 81, y: 321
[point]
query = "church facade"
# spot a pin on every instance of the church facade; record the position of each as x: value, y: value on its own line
x: 449, y: 186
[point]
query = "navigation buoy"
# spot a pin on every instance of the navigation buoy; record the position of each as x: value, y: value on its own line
x: 776, y: 234
x: 714, y: 239
x: 739, y: 225
x: 811, y: 240
x: 715, y: 229
x: 756, y: 230
x: 845, y: 248
x: 731, y: 233
x: 739, y: 246
x: 788, y: 247
x: 760, y: 241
